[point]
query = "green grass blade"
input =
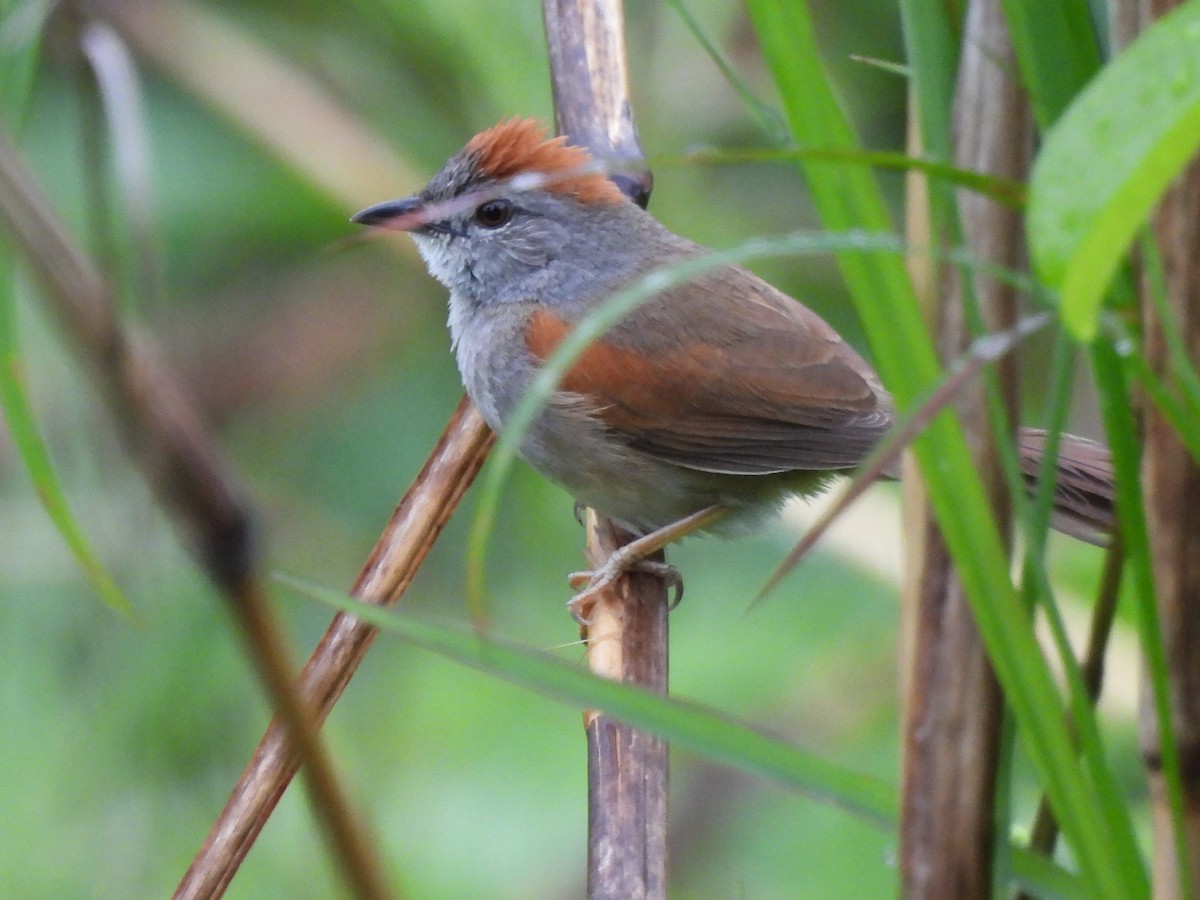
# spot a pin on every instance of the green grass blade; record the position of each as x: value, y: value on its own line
x: 22, y: 428
x: 1181, y: 366
x: 1057, y: 51
x: 704, y: 731
x: 931, y: 43
x: 1010, y: 193
x: 1126, y: 456
x: 883, y: 65
x: 1181, y: 418
x: 1035, y: 874
x: 685, y: 725
x: 1109, y: 158
x: 768, y: 117
x: 1101, y: 839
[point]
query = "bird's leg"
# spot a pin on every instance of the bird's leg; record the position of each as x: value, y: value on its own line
x: 632, y: 558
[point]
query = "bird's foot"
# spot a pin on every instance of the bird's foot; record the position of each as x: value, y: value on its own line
x: 591, y: 584
x: 633, y: 558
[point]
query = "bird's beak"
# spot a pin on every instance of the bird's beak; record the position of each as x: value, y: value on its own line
x: 398, y: 215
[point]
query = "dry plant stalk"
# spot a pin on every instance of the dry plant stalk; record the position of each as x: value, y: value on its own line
x: 627, y: 638
x: 391, y: 567
x: 953, y: 708
x: 187, y: 475
x: 1171, y: 481
x: 590, y: 76
x: 627, y: 634
x: 588, y: 64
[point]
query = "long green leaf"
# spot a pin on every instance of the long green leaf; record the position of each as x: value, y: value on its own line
x: 931, y: 44
x: 687, y: 725
x: 707, y: 732
x: 1057, y: 51
x: 1109, y: 158
x: 22, y: 428
x: 848, y: 198
x: 768, y: 117
x: 1010, y: 193
x: 1131, y: 516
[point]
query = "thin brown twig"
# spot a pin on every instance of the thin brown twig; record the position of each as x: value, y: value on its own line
x: 387, y: 573
x: 355, y: 855
x: 184, y: 468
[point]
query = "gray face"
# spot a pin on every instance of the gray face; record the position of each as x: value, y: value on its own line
x: 515, y: 246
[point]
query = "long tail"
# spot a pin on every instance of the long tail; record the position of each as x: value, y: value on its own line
x: 1083, y: 492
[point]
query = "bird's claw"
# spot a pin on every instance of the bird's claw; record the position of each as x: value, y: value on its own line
x: 591, y: 584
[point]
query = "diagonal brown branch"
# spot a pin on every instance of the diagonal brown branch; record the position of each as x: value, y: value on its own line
x: 389, y: 570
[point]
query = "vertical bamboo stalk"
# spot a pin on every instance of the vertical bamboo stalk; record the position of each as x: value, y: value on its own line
x: 953, y: 702
x: 627, y: 628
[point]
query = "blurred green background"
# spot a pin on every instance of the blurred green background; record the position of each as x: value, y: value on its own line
x: 321, y: 359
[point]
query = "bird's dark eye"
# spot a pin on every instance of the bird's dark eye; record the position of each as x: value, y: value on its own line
x: 494, y: 213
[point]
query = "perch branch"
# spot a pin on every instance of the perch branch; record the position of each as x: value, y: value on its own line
x: 627, y: 632
x: 390, y: 569
x: 953, y: 708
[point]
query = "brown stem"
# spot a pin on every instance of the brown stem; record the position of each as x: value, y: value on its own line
x: 627, y: 635
x: 389, y: 570
x: 953, y: 703
x: 627, y: 768
x: 354, y: 854
x: 589, y: 75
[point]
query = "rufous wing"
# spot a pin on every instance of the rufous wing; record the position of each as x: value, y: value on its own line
x: 726, y: 374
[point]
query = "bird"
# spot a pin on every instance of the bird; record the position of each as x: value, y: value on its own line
x: 700, y: 411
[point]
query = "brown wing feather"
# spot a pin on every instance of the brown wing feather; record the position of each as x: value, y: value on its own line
x: 753, y: 385
x: 1083, y: 491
